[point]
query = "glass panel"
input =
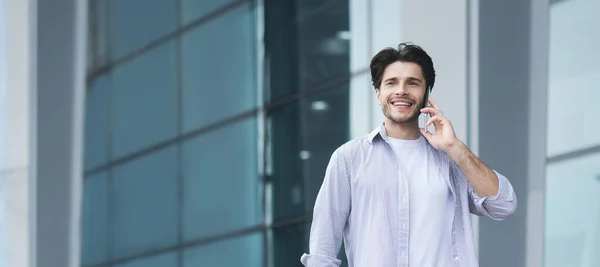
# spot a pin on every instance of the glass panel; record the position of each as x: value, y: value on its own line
x: 302, y: 137
x: 94, y: 219
x: 145, y: 101
x: 97, y: 33
x: 307, y: 43
x: 221, y: 182
x: 135, y: 23
x: 212, y: 92
x: 290, y: 242
x: 574, y: 65
x: 162, y: 260
x: 97, y: 122
x: 193, y: 9
x: 145, y: 204
x: 240, y: 251
x: 573, y: 212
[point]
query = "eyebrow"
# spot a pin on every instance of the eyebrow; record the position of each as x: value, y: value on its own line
x: 414, y: 79
x: 410, y: 79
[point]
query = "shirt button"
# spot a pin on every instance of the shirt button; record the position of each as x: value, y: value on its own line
x: 453, y: 232
x: 456, y: 259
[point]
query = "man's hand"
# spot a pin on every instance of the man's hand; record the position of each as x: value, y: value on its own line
x: 482, y: 178
x: 444, y: 137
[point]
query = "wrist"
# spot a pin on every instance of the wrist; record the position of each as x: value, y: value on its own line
x: 455, y: 149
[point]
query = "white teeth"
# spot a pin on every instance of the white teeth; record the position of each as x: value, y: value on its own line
x: 400, y: 104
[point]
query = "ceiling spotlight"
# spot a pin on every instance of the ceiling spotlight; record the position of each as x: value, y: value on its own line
x: 319, y: 106
x: 344, y: 35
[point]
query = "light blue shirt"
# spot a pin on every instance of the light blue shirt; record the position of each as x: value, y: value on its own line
x: 364, y: 201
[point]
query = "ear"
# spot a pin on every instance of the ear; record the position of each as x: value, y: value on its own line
x: 377, y: 93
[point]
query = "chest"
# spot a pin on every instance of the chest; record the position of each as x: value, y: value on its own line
x: 391, y: 173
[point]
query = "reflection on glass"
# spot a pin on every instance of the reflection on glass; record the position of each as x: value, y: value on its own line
x: 574, y: 66
x: 302, y: 137
x: 145, y: 194
x: 221, y: 182
x: 307, y: 43
x: 219, y: 74
x: 194, y: 9
x: 144, y: 101
x: 97, y: 34
x: 573, y: 212
x: 94, y: 219
x: 136, y: 23
x: 97, y: 122
x: 162, y: 260
x: 291, y: 241
x: 244, y: 251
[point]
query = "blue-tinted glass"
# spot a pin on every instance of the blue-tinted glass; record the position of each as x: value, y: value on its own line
x: 97, y: 122
x: 301, y: 137
x: 135, y: 23
x: 219, y: 76
x: 307, y: 43
x: 221, y: 184
x: 244, y: 251
x: 194, y: 9
x: 162, y: 260
x: 95, y: 218
x: 574, y: 71
x: 145, y: 204
x: 572, y: 232
x: 144, y: 101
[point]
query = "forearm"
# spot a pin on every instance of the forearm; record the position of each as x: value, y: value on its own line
x: 483, y: 180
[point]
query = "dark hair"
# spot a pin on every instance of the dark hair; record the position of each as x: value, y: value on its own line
x: 406, y: 52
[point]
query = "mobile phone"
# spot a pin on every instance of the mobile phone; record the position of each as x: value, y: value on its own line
x: 426, y: 104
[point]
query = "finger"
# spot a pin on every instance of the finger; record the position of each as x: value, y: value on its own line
x: 436, y: 118
x: 431, y: 111
x: 434, y: 104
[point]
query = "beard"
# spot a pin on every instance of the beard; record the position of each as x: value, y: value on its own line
x: 402, y: 117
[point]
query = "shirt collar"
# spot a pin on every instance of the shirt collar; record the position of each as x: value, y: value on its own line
x: 379, y: 131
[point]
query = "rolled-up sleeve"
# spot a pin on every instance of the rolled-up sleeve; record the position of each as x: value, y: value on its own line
x: 498, y: 207
x: 330, y: 215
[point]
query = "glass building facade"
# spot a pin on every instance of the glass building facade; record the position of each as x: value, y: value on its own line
x: 208, y: 128
x: 572, y: 224
x: 208, y: 124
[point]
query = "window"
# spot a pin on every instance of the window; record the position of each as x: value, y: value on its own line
x: 144, y: 101
x: 574, y: 69
x: 239, y: 251
x: 193, y: 9
x: 145, y: 194
x: 95, y: 219
x: 307, y: 44
x: 221, y: 182
x: 135, y: 23
x: 219, y: 69
x: 163, y: 260
x: 573, y: 200
x: 97, y: 122
x: 302, y: 137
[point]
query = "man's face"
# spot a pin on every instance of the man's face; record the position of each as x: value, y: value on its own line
x: 402, y: 92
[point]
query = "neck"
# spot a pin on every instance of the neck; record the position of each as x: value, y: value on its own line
x: 404, y: 131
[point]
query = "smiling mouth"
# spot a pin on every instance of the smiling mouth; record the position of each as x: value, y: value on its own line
x: 401, y: 103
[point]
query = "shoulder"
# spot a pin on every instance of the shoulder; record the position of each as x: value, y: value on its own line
x: 351, y: 147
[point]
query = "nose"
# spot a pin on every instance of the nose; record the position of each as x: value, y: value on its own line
x: 401, y: 89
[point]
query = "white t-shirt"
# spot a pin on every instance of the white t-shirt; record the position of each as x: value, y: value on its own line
x: 430, y: 205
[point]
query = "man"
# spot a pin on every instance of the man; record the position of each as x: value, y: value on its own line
x: 402, y: 196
